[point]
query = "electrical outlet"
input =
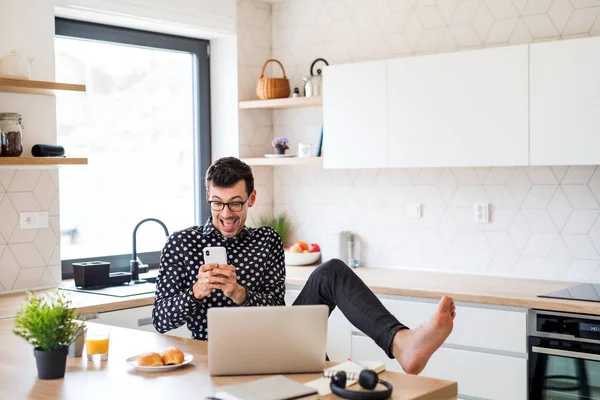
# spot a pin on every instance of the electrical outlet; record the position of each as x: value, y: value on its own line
x: 414, y: 210
x: 481, y: 213
x: 34, y: 220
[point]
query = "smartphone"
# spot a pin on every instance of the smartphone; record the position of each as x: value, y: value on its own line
x: 215, y: 255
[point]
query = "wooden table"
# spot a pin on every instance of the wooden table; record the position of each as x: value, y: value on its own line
x: 115, y: 379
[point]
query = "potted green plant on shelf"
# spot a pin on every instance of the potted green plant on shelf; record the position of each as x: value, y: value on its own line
x: 281, y: 223
x: 49, y: 323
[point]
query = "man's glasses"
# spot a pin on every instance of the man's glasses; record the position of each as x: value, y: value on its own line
x: 235, y: 206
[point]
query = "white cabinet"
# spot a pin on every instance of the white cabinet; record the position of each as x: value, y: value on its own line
x: 484, y: 339
x: 354, y: 115
x: 139, y: 318
x: 480, y: 375
x: 477, y: 327
x: 459, y: 109
x: 291, y: 293
x: 444, y: 110
x: 565, y: 102
x: 338, y: 329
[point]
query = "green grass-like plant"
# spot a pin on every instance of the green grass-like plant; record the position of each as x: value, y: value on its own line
x: 280, y: 223
x: 48, y: 323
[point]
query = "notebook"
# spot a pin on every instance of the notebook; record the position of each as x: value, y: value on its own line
x: 351, y: 368
x: 277, y: 387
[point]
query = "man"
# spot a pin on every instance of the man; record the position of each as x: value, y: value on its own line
x: 255, y: 276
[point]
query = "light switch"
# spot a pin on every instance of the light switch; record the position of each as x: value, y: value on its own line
x: 34, y: 220
x: 414, y: 210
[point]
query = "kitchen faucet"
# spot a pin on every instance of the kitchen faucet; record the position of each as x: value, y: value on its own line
x: 134, y: 264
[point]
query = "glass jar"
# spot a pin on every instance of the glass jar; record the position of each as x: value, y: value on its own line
x: 12, y: 135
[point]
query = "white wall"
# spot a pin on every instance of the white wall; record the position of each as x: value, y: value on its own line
x: 255, y: 126
x: 544, y: 221
x: 29, y: 258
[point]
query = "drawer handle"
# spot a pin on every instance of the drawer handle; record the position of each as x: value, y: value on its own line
x: 87, y: 317
x: 145, y: 321
x: 564, y: 353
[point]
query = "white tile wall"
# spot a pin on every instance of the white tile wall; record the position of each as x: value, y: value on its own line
x: 544, y: 220
x: 255, y: 126
x: 28, y: 258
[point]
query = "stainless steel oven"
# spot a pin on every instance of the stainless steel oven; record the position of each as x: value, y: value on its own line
x: 564, y: 356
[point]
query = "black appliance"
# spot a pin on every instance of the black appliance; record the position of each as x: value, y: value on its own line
x: 47, y: 150
x: 92, y: 274
x: 564, y: 356
x: 97, y: 275
x: 584, y: 291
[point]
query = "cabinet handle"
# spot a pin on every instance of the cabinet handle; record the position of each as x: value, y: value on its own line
x: 565, y: 353
x: 145, y: 321
x: 88, y: 317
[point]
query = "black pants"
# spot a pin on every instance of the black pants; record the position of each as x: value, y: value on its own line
x: 334, y: 284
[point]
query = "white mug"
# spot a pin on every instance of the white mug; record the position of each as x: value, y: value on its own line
x: 304, y: 150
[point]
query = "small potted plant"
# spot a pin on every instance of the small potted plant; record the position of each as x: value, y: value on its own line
x: 281, y: 144
x: 281, y: 223
x: 50, y: 325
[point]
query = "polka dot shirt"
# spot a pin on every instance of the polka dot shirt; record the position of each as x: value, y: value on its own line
x: 257, y: 255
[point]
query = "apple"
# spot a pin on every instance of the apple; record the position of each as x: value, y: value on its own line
x: 296, y: 248
x: 314, y: 248
x: 303, y: 245
x: 305, y: 251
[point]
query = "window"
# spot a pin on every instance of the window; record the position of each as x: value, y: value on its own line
x: 144, y: 124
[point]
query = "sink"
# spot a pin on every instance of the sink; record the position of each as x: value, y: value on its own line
x: 118, y: 291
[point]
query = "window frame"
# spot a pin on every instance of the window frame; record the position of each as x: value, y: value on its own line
x: 199, y: 49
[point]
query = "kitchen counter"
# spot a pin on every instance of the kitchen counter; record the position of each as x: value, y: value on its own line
x: 512, y: 292
x: 116, y: 379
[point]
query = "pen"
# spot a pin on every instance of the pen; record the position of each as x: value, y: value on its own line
x: 357, y: 363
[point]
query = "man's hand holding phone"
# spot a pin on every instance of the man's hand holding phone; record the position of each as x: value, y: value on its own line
x: 219, y: 276
x: 223, y: 277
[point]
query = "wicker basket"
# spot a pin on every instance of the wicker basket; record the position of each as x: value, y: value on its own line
x: 272, y: 88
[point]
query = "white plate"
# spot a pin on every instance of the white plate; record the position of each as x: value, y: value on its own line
x: 187, y: 358
x: 279, y: 155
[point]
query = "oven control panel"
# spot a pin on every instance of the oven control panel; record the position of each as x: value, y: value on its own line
x: 578, y: 326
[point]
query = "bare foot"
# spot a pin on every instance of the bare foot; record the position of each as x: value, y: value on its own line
x: 413, y: 348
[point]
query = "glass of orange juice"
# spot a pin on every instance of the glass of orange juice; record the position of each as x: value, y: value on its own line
x: 96, y: 342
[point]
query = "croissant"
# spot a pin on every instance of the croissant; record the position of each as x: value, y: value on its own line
x: 172, y: 356
x: 150, y: 360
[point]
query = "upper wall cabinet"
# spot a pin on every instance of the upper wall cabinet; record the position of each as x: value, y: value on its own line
x: 354, y: 115
x: 565, y: 102
x: 459, y: 109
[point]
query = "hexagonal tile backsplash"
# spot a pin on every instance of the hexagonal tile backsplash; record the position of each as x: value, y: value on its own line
x: 544, y: 221
x: 26, y: 260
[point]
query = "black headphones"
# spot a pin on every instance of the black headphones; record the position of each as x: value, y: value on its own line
x: 367, y: 379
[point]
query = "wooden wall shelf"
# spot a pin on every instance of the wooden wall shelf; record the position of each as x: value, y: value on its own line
x: 36, y: 87
x: 290, y: 102
x: 283, y: 161
x: 41, y: 161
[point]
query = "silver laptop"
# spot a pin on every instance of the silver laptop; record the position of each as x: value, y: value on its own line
x: 267, y: 340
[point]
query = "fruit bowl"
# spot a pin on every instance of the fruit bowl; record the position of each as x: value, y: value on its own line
x: 301, y: 258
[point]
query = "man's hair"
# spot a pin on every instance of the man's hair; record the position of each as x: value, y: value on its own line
x: 227, y: 171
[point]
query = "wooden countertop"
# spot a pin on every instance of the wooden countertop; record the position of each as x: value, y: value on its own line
x: 493, y: 290
x: 86, y: 303
x: 116, y: 379
x: 511, y: 292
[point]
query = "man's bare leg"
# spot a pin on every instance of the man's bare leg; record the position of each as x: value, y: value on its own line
x: 413, y: 348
